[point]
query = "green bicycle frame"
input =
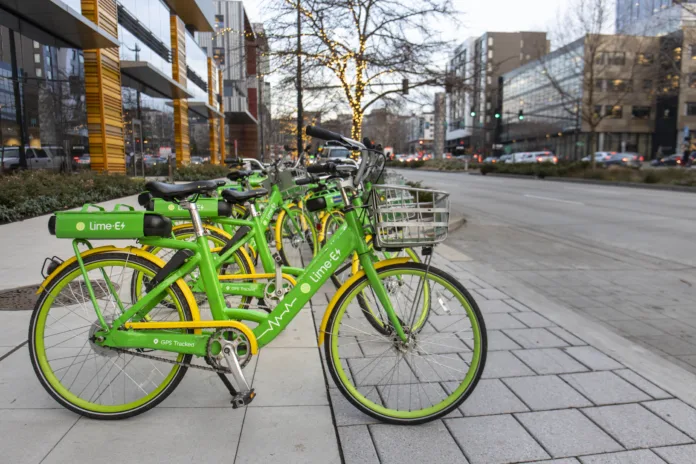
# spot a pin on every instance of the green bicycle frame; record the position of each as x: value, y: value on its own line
x: 349, y: 238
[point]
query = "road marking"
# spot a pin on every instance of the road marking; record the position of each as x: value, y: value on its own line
x: 556, y: 199
x: 601, y: 191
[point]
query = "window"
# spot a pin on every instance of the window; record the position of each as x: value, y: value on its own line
x: 37, y: 58
x: 645, y: 59
x: 692, y: 80
x: 597, y: 113
x: 620, y: 85
x: 640, y: 112
x: 521, y: 43
x: 691, y: 109
x: 599, y: 85
x: 614, y: 112
x: 219, y: 55
x: 599, y: 58
x: 647, y: 84
x: 39, y: 73
x: 616, y: 58
x: 490, y: 54
x: 490, y: 41
x: 219, y: 21
x: 205, y: 50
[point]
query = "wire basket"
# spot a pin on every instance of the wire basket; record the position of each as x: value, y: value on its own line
x: 404, y: 216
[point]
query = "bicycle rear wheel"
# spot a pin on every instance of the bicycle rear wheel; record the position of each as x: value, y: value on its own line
x: 84, y: 377
x: 415, y: 381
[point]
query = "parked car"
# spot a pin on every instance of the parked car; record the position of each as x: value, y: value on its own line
x: 504, y: 158
x: 83, y: 161
x: 53, y: 158
x: 490, y: 160
x: 600, y: 156
x: 672, y: 160
x: 545, y: 157
x: 196, y: 160
x: 401, y: 158
x: 629, y: 160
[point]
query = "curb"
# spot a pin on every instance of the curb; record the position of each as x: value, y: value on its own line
x: 663, y: 187
x: 456, y: 224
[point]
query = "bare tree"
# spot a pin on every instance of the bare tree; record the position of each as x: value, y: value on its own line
x: 595, y: 74
x: 367, y: 49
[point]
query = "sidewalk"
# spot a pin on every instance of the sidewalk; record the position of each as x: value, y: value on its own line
x: 557, y: 388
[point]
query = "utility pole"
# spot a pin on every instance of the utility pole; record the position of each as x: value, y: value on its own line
x: 299, y: 80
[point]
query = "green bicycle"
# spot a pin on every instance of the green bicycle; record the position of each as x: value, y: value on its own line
x: 104, y: 352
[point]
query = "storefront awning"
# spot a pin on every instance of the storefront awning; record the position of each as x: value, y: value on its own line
x: 204, y: 109
x: 148, y: 79
x: 52, y: 22
x: 239, y: 117
x: 196, y: 13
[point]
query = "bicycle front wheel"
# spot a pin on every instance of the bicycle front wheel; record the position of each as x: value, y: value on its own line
x: 421, y: 379
x: 91, y: 380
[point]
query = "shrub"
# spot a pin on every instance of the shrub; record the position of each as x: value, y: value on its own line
x: 26, y: 194
x: 200, y: 172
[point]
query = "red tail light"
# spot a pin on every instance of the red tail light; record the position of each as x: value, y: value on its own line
x: 318, y: 227
x: 539, y: 159
x: 641, y: 159
x: 624, y: 159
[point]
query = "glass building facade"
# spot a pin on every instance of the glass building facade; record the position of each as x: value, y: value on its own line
x: 42, y: 101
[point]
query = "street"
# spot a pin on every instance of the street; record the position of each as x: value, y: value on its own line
x: 622, y: 256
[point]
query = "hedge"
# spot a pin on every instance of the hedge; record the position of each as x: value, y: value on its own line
x: 26, y: 194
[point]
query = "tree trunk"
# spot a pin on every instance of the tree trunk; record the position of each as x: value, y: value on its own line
x: 590, y: 143
x: 356, y: 127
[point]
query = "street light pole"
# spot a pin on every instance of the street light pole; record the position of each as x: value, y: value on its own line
x: 299, y: 79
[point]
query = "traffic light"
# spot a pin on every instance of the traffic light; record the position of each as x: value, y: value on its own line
x: 473, y: 112
x: 520, y: 115
x: 497, y: 114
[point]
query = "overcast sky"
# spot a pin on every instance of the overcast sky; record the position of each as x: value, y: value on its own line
x: 479, y: 16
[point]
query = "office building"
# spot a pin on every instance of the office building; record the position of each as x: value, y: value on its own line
x: 474, y: 70
x: 653, y: 17
x: 421, y: 132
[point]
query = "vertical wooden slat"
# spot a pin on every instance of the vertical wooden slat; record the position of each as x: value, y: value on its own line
x: 103, y: 92
x: 213, y: 126
x: 182, y: 141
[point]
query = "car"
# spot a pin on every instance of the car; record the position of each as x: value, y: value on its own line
x: 335, y: 153
x: 52, y: 158
x: 490, y: 160
x: 672, y: 160
x: 600, y: 156
x: 545, y: 157
x: 83, y: 161
x: 504, y: 158
x: 629, y: 160
x: 401, y: 158
x: 197, y: 160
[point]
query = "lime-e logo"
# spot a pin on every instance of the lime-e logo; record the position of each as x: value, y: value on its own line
x: 106, y: 226
x: 80, y: 226
x: 171, y: 207
x: 305, y: 288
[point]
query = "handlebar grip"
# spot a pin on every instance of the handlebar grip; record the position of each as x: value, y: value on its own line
x: 318, y: 132
x: 321, y: 168
x: 304, y: 181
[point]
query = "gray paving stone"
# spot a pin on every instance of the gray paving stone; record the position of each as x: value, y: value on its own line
x: 501, y: 321
x: 299, y: 435
x: 490, y: 396
x: 504, y: 364
x: 494, y: 440
x: 648, y: 387
x: 624, y: 457
x: 605, y: 388
x: 450, y: 323
x: 685, y: 454
x: 491, y: 294
x: 635, y: 427
x: 546, y: 392
x: 498, y: 341
x: 566, y: 336
x: 532, y: 319
x: 592, y: 358
x: 556, y: 461
x: 426, y: 443
x: 495, y: 306
x: 549, y: 361
x: 677, y: 413
x: 567, y: 433
x: 374, y: 371
x: 345, y: 413
x: 517, y: 305
x: 357, y: 445
x: 171, y: 435
x: 535, y: 338
x: 277, y: 382
x: 27, y: 435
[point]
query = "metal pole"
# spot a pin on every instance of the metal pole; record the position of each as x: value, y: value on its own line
x: 299, y: 80
x: 261, y: 112
x: 18, y: 102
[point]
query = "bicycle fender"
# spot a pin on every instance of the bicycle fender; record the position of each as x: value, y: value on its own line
x: 344, y: 288
x: 195, y: 313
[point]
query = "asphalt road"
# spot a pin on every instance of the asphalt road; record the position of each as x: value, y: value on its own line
x: 623, y: 256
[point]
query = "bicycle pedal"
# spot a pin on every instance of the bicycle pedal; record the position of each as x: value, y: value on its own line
x: 242, y: 399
